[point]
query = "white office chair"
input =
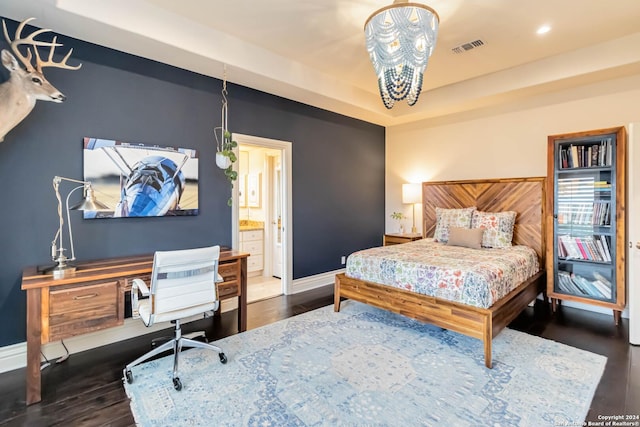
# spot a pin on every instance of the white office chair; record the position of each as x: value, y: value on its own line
x: 183, y: 284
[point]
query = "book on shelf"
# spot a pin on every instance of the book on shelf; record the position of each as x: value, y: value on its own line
x: 575, y: 157
x: 604, y: 290
x: 587, y: 286
x: 581, y: 248
x: 597, y: 154
x: 588, y: 248
x: 562, y: 251
x: 575, y: 284
x: 569, y: 248
x: 601, y: 249
x: 603, y: 284
x: 562, y: 159
x: 591, y: 255
x: 565, y: 284
x: 605, y: 151
x: 596, y: 255
x: 600, y: 277
x: 594, y: 213
x: 601, y: 213
x: 605, y: 244
x: 594, y: 155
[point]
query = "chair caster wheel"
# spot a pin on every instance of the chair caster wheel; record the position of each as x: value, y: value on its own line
x: 223, y: 358
x: 177, y: 384
x: 128, y: 376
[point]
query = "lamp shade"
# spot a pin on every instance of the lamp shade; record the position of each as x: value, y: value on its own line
x: 89, y: 202
x: 411, y: 193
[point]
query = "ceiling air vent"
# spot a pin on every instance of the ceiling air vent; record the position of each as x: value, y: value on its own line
x: 464, y: 47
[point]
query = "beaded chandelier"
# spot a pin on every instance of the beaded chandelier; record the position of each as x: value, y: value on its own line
x: 400, y: 39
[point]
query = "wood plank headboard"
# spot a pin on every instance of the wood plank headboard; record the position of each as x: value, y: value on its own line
x: 526, y: 196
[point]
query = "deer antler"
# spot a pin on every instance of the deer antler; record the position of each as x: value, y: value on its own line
x: 50, y: 62
x: 30, y: 40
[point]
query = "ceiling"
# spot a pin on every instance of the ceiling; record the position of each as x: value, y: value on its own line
x: 313, y: 51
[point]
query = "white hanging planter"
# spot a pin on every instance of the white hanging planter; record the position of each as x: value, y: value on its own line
x: 222, y: 161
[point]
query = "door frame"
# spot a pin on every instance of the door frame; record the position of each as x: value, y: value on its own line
x: 287, y: 211
x: 633, y: 254
x: 275, y: 187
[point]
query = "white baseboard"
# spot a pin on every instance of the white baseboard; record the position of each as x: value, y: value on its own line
x: 15, y: 356
x: 312, y: 282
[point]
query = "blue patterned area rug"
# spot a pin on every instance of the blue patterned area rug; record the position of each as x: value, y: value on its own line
x: 365, y: 367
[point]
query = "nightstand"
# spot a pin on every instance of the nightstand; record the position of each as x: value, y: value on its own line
x: 395, y: 238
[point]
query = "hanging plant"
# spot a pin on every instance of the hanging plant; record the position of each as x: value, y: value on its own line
x: 225, y: 156
x: 225, y: 145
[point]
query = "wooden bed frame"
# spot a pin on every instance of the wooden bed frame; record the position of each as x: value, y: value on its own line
x: 526, y: 196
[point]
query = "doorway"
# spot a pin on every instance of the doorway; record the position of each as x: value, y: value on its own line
x: 262, y: 214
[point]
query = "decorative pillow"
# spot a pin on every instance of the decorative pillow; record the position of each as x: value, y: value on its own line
x: 498, y: 227
x: 446, y: 218
x: 467, y: 237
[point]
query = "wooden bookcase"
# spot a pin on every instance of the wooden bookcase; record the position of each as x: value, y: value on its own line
x: 586, y: 229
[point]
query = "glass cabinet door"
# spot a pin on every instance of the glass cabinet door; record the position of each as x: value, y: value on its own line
x: 584, y: 213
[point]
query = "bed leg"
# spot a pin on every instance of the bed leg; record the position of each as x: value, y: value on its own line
x: 487, y: 354
x: 336, y: 295
x: 488, y: 329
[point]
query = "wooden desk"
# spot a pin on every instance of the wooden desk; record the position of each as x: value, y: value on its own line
x: 93, y: 299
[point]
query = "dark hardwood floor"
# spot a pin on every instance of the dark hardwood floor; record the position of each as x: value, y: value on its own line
x: 87, y: 390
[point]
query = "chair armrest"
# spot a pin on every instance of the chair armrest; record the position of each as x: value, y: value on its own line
x: 137, y: 286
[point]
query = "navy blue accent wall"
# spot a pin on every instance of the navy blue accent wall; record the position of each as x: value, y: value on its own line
x: 338, y: 167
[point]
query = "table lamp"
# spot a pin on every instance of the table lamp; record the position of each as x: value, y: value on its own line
x: 411, y: 194
x: 62, y: 268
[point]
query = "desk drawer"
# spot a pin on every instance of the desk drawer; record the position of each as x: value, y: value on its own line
x: 230, y: 271
x: 127, y: 282
x: 77, y: 310
x: 228, y: 290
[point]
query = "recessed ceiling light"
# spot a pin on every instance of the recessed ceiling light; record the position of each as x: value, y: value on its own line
x: 543, y: 29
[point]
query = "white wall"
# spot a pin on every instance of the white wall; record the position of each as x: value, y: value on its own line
x: 505, y: 143
x: 252, y: 162
x: 502, y: 144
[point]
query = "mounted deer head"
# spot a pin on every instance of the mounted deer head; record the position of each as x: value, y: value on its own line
x: 19, y: 94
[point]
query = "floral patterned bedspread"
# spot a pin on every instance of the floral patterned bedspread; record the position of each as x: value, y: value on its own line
x: 477, y: 277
